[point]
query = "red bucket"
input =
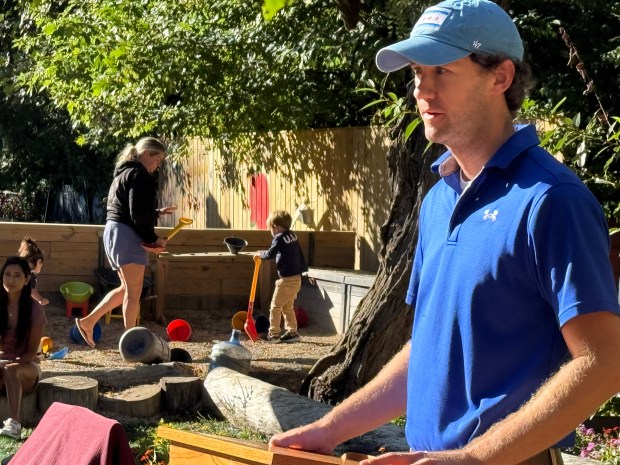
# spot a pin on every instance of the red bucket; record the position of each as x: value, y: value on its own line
x: 302, y: 316
x: 179, y: 330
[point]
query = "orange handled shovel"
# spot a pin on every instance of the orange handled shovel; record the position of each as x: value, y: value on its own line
x: 249, y: 326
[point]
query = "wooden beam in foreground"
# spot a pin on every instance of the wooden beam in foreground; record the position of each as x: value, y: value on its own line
x: 205, y: 449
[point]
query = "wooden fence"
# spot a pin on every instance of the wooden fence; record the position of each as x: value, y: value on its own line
x: 329, y: 180
x: 71, y: 250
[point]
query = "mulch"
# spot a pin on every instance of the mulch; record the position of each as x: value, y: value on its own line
x: 283, y: 365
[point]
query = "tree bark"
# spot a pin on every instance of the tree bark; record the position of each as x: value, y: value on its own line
x: 382, y: 322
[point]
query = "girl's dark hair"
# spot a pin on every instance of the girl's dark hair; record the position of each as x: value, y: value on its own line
x: 30, y: 251
x: 521, y: 85
x: 25, y: 301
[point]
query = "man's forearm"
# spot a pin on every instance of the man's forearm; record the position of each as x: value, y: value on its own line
x: 565, y: 400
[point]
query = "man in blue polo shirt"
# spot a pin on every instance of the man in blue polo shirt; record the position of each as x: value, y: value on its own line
x: 516, y: 335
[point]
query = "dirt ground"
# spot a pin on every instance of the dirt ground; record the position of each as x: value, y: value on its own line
x: 280, y: 364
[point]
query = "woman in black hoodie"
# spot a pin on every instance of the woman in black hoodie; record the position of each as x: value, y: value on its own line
x: 131, y: 218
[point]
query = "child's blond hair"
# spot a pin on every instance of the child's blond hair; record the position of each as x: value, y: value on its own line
x: 280, y: 218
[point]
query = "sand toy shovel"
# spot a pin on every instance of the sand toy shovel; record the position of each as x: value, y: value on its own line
x: 182, y: 222
x: 249, y: 326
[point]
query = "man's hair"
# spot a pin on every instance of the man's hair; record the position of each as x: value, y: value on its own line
x: 280, y: 218
x: 521, y: 85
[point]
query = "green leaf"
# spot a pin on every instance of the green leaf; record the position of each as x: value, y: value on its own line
x: 411, y: 127
x: 559, y: 104
x: 271, y: 7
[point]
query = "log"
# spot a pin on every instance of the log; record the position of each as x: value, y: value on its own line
x: 125, y: 377
x: 139, y: 401
x: 249, y: 402
x: 72, y: 390
x: 181, y: 393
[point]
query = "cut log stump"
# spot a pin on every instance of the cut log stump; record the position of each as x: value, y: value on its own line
x: 72, y: 390
x: 249, y: 402
x: 139, y: 401
x: 126, y: 377
x: 28, y: 411
x: 181, y: 393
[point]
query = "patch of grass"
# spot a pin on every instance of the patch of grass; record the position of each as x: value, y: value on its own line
x: 149, y: 449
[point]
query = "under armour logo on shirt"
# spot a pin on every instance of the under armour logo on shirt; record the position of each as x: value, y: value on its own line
x: 488, y: 215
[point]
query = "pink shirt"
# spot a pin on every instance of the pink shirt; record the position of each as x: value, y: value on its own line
x: 11, y: 347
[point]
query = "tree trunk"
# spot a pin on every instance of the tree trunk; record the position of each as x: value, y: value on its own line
x: 382, y: 322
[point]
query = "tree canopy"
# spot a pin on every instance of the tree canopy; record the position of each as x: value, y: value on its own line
x: 118, y: 69
x: 213, y: 69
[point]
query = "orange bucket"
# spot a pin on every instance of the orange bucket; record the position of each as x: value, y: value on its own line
x: 238, y: 320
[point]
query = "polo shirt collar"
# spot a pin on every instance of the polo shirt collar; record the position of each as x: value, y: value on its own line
x: 524, y: 138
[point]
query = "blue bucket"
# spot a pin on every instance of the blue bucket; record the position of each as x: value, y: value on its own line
x: 77, y: 337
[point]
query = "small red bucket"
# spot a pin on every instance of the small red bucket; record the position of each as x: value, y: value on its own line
x: 302, y: 316
x: 179, y: 330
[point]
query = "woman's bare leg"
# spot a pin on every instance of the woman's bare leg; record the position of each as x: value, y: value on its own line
x: 112, y: 299
x: 18, y: 378
x: 132, y: 276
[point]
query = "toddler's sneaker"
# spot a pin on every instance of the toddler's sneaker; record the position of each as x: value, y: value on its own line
x: 290, y: 336
x: 273, y: 339
x: 12, y: 428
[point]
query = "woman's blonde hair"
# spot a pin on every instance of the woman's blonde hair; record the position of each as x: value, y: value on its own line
x: 145, y: 144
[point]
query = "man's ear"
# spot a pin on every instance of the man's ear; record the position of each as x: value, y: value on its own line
x: 504, y: 75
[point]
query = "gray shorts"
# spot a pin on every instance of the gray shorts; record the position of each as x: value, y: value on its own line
x: 122, y: 246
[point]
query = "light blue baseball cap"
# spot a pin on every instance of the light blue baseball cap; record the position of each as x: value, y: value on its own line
x: 452, y: 30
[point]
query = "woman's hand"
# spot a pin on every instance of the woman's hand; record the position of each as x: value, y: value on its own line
x: 155, y: 247
x: 166, y: 210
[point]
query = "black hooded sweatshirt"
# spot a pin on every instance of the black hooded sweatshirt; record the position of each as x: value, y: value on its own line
x: 132, y: 199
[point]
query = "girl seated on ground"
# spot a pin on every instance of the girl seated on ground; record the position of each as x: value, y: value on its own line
x: 22, y: 323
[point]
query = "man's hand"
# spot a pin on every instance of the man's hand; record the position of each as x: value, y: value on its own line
x: 452, y: 457
x: 310, y: 438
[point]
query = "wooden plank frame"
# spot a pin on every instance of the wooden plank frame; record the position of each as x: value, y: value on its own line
x: 205, y: 449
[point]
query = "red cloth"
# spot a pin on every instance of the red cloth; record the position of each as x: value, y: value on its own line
x: 259, y: 200
x: 72, y: 435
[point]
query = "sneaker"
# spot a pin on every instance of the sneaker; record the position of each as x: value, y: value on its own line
x: 273, y: 339
x: 12, y: 428
x: 290, y: 337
